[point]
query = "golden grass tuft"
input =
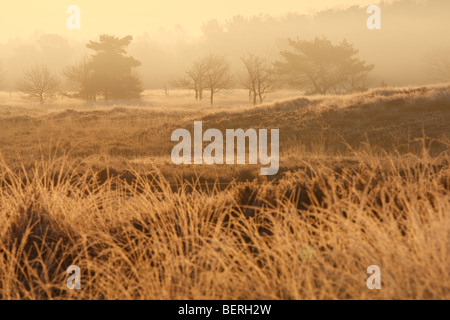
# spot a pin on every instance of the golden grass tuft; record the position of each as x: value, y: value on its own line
x: 310, y: 235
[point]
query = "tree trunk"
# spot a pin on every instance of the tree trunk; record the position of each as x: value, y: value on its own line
x: 259, y: 93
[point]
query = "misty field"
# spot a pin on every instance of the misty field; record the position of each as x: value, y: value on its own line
x: 364, y: 180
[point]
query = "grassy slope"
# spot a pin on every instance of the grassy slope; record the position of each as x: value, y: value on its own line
x: 341, y: 206
x: 388, y: 118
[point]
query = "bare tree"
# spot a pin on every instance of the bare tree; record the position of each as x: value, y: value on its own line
x: 196, y: 74
x: 194, y: 79
x: 186, y: 83
x: 211, y: 73
x: 218, y: 75
x: 438, y: 62
x: 259, y: 81
x: 38, y: 84
x: 80, y: 77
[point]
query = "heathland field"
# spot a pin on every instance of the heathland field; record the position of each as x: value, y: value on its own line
x: 364, y: 180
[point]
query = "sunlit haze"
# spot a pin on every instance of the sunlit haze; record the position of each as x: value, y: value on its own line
x: 22, y: 18
x: 224, y: 150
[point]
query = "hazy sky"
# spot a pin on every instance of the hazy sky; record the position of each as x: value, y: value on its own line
x: 24, y: 17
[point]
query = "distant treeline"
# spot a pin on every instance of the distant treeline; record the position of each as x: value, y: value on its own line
x: 411, y: 30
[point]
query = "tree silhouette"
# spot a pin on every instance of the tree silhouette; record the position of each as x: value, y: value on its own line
x: 320, y: 66
x: 80, y: 77
x: 195, y: 78
x: 108, y: 72
x: 259, y: 80
x: 38, y: 84
x: 211, y: 73
x: 218, y: 75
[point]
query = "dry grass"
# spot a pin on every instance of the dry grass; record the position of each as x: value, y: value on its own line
x: 138, y: 230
